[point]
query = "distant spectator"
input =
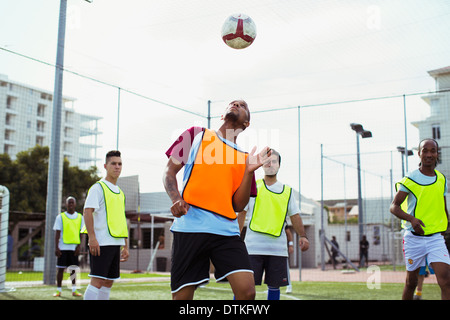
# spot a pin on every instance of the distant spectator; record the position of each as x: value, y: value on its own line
x: 363, y: 252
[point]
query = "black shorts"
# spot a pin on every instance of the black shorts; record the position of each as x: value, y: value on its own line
x: 192, y: 253
x: 107, y: 264
x: 274, y: 267
x: 67, y: 258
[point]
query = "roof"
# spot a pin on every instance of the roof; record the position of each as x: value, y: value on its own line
x: 5, y: 78
x: 440, y: 71
x: 155, y: 202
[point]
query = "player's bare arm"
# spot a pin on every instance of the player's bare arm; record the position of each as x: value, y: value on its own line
x: 253, y: 162
x: 242, y: 194
x: 179, y: 207
x: 94, y: 247
x: 241, y: 219
x: 297, y: 224
x: 397, y: 211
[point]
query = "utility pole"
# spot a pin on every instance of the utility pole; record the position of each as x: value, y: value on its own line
x: 54, y: 181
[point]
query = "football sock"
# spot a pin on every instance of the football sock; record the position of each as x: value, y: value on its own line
x: 273, y: 293
x: 103, y: 294
x: 91, y: 293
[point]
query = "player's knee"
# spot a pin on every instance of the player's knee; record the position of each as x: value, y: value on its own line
x: 444, y: 280
x: 411, y: 281
x: 248, y: 293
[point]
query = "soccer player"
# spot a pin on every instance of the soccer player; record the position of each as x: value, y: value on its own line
x: 265, y: 237
x: 421, y: 204
x: 68, y: 226
x: 423, y: 273
x: 106, y: 225
x: 217, y: 182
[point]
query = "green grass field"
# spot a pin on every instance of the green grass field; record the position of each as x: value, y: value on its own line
x: 160, y: 290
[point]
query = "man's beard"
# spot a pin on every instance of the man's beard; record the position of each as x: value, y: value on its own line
x: 231, y: 116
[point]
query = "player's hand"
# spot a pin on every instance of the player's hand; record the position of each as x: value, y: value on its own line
x: 417, y: 225
x: 58, y: 252
x: 124, y: 254
x: 303, y: 243
x: 254, y: 161
x: 179, y: 208
x: 94, y: 247
x: 291, y: 249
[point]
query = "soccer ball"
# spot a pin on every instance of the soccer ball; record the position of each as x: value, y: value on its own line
x: 238, y: 31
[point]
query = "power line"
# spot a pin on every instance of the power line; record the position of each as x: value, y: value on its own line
x: 103, y: 82
x: 213, y: 117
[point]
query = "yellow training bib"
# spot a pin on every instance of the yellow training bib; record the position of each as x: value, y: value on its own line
x: 270, y: 210
x: 430, y: 206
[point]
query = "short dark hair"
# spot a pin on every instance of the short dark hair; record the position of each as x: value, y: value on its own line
x: 431, y: 139
x: 437, y: 149
x: 112, y: 153
x: 248, y: 112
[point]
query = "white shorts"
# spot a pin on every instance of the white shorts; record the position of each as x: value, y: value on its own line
x: 418, y: 248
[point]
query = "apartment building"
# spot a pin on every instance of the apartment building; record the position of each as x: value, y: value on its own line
x: 437, y: 125
x: 26, y: 121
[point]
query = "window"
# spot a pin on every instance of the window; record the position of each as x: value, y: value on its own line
x: 10, y: 102
x: 40, y: 126
x: 9, y: 120
x: 9, y: 149
x: 8, y: 135
x: 436, y: 128
x: 41, y: 110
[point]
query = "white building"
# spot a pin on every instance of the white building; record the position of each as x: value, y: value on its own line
x: 26, y: 120
x: 437, y: 125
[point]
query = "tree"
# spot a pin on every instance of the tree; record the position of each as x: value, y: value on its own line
x: 76, y: 183
x: 26, y: 179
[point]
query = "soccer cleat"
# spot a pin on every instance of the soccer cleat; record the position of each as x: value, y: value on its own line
x: 76, y: 294
x: 417, y: 295
x: 57, y: 294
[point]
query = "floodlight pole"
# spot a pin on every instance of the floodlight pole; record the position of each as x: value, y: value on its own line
x: 54, y: 181
x: 299, y: 250
x: 209, y: 114
x: 118, y: 117
x: 54, y: 178
x: 406, y: 132
x: 322, y: 208
x: 360, y: 211
x: 404, y: 153
x: 359, y: 130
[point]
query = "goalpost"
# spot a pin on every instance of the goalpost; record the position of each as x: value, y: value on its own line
x: 4, y: 218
